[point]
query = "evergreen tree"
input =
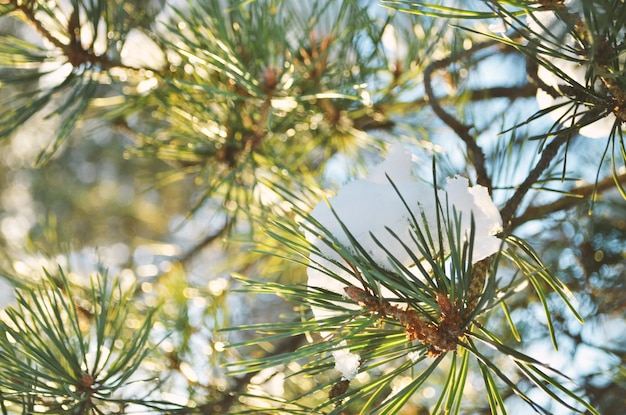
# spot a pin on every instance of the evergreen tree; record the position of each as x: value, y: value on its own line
x: 312, y: 207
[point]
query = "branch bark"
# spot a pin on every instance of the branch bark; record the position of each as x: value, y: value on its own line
x: 380, y: 119
x: 547, y: 156
x: 577, y: 196
x: 461, y: 130
x: 74, y: 51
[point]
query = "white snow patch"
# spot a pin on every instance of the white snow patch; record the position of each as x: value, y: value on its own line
x: 372, y: 206
x: 345, y: 362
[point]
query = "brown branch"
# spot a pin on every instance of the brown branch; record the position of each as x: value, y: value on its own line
x: 523, y: 91
x: 547, y: 156
x: 378, y: 118
x: 439, y: 338
x: 477, y: 284
x: 75, y: 53
x: 29, y: 14
x: 531, y: 73
x: 577, y: 196
x: 460, y: 129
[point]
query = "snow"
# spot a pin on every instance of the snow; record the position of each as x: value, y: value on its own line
x: 372, y: 205
x: 476, y: 201
x: 345, y: 362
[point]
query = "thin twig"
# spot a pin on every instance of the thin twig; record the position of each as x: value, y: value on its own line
x: 378, y: 118
x: 547, y: 156
x: 207, y: 241
x: 29, y: 14
x: 576, y: 196
x: 75, y: 53
x: 461, y: 130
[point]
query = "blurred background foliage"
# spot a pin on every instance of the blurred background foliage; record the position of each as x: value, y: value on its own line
x: 151, y: 140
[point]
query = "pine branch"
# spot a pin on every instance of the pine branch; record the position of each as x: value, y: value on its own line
x: 29, y: 14
x: 75, y: 53
x: 381, y: 120
x: 575, y: 197
x: 461, y: 130
x: 547, y: 156
x: 525, y: 91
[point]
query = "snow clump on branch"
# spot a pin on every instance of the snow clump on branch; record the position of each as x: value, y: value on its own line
x: 345, y: 362
x: 372, y: 207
